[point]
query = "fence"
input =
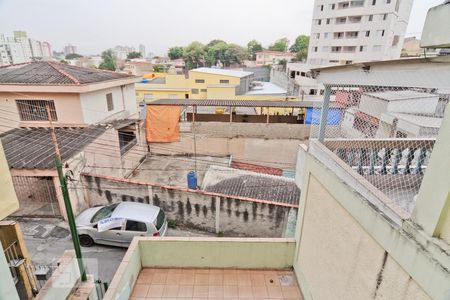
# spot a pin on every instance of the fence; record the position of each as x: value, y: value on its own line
x: 386, y: 133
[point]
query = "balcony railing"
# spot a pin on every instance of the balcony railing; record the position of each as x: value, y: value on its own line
x: 14, y: 260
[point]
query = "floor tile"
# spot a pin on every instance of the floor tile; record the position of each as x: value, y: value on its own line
x: 155, y: 290
x: 170, y: 291
x: 244, y: 279
x: 200, y: 291
x: 274, y: 292
x: 159, y: 278
x: 272, y: 280
x: 215, y: 279
x: 187, y: 279
x: 230, y: 279
x: 260, y: 292
x: 290, y: 292
x: 186, y: 291
x: 215, y: 292
x: 201, y: 279
x: 245, y: 292
x: 140, y: 290
x: 258, y: 280
x: 230, y: 292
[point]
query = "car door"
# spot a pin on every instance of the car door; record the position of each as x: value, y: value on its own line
x: 132, y: 229
x: 113, y: 237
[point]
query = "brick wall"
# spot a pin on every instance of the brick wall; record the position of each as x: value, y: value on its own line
x: 237, y: 216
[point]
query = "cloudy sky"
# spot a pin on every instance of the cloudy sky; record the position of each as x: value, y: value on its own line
x: 95, y: 25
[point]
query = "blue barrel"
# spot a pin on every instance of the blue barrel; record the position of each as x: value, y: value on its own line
x: 192, y: 180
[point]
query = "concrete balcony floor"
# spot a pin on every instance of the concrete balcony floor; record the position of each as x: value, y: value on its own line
x: 205, y: 283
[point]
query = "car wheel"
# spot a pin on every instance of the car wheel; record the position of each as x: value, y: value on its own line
x: 86, y: 241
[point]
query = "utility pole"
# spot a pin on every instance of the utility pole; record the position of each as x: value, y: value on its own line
x: 67, y: 204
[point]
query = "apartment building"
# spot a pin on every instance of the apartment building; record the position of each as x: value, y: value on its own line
x: 345, y: 32
x: 268, y: 57
x: 70, y: 49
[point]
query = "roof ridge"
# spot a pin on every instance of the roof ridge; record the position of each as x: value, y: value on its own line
x: 64, y: 73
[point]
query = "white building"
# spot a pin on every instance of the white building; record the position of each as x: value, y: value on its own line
x: 70, y: 49
x: 142, y: 50
x: 345, y: 32
x: 46, y: 49
x: 36, y: 48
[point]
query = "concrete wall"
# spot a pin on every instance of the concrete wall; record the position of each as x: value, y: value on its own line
x: 254, y: 130
x: 278, y: 153
x: 94, y: 104
x: 359, y: 248
x: 234, y: 216
x: 68, y: 109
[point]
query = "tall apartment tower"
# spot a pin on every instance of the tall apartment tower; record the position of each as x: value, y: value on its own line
x: 344, y: 32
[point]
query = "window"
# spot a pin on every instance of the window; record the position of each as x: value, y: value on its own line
x: 36, y: 110
x: 317, y: 36
x: 203, y: 90
x: 328, y: 21
x: 199, y: 80
x: 348, y: 62
x: 335, y: 49
x: 194, y: 91
x: 341, y: 20
x: 127, y: 139
x: 109, y: 102
x: 315, y: 49
x: 135, y: 226
x: 224, y: 81
x: 370, y: 18
x: 160, y: 219
x: 395, y: 40
x: 333, y: 6
x: 385, y: 17
x: 388, y: 1
x: 380, y: 33
x: 368, y: 33
x: 104, y: 213
x: 321, y: 8
x: 325, y: 35
x: 362, y: 48
x: 374, y: 2
x: 319, y: 22
x: 377, y: 48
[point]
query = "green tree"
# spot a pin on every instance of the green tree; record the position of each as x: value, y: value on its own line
x: 283, y: 63
x: 63, y: 61
x: 175, y: 52
x: 235, y: 54
x: 194, y: 55
x: 109, y: 61
x: 280, y: 45
x: 73, y: 56
x: 252, y: 47
x: 216, y: 51
x: 134, y: 54
x: 160, y: 68
x: 300, y: 47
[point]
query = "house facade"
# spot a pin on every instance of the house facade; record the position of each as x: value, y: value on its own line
x: 268, y: 57
x: 76, y: 96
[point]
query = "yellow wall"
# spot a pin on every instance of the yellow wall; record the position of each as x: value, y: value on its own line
x: 228, y: 92
x: 8, y: 200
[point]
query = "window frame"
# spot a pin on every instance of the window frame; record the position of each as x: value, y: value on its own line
x: 129, y: 220
x: 199, y: 80
x: 28, y: 113
x: 109, y: 102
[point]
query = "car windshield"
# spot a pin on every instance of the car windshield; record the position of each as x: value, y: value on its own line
x: 104, y: 213
x: 160, y: 219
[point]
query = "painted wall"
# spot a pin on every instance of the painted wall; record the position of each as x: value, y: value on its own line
x: 95, y: 109
x: 356, y: 246
x: 68, y: 109
x: 195, y: 209
x: 278, y: 153
x: 8, y: 201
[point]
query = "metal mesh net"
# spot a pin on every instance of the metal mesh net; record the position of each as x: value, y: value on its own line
x: 386, y: 134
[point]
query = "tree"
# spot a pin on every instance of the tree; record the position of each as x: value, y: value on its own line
x: 300, y: 47
x: 280, y: 45
x: 73, y: 56
x: 194, y: 55
x: 215, y: 52
x: 252, y: 47
x: 283, y: 63
x: 109, y: 61
x: 134, y: 54
x: 63, y: 61
x: 175, y: 52
x: 235, y: 54
x: 159, y: 68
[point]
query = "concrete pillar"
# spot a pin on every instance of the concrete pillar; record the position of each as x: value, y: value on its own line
x: 432, y: 209
x: 59, y: 196
x: 324, y: 113
x: 217, y: 214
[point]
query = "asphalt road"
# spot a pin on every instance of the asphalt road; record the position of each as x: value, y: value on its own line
x: 47, y: 239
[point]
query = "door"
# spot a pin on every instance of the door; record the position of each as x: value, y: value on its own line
x: 113, y: 236
x: 132, y: 229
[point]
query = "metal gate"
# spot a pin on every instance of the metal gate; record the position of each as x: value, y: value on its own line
x: 37, y: 196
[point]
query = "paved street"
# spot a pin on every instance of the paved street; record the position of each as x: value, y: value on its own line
x: 48, y: 238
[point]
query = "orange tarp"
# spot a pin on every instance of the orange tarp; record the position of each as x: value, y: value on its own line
x: 162, y: 123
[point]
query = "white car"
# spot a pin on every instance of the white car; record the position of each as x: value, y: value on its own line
x: 118, y: 223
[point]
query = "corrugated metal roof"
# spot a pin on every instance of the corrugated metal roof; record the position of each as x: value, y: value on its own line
x: 52, y: 73
x: 241, y: 103
x: 225, y: 72
x: 32, y: 148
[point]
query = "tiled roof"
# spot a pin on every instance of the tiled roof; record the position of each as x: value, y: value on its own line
x: 52, y: 73
x: 240, y: 103
x: 32, y: 148
x: 251, y: 185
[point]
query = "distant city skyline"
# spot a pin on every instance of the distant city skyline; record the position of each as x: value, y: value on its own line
x: 95, y: 26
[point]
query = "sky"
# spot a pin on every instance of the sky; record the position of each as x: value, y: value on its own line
x: 96, y: 25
